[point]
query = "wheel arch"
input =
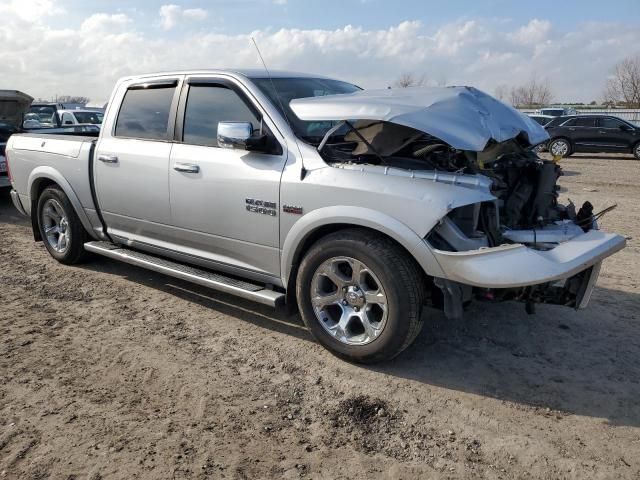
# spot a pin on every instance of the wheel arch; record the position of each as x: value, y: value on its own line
x: 322, y: 222
x: 43, y: 177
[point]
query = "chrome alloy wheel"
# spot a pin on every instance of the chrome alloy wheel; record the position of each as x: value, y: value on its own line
x: 560, y: 147
x: 349, y: 301
x: 637, y: 152
x: 56, y: 225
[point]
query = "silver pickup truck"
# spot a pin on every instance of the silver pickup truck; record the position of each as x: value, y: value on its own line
x: 358, y: 206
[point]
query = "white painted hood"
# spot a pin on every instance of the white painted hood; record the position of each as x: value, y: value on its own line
x: 464, y: 117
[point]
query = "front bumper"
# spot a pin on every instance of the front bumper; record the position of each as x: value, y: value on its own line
x: 509, y: 266
x: 15, y: 198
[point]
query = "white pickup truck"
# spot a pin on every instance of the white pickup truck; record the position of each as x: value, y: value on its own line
x: 357, y: 206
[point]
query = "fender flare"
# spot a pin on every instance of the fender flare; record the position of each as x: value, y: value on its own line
x: 52, y: 174
x: 357, y: 217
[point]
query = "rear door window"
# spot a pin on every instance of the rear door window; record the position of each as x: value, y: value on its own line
x: 609, y: 122
x: 145, y: 113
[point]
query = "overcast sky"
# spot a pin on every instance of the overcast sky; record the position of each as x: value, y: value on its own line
x: 81, y: 47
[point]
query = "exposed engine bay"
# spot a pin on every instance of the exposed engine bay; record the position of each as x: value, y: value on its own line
x: 526, y: 209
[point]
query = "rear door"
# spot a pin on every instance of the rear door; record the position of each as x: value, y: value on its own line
x: 132, y: 161
x: 226, y: 208
x: 615, y: 135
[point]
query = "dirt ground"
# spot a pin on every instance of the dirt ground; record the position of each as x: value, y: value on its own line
x: 109, y: 371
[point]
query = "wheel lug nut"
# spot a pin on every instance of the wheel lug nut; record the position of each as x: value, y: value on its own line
x: 356, y: 309
x: 344, y: 302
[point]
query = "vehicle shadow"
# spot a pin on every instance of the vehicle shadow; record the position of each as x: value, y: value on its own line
x: 278, y: 320
x: 596, y: 156
x: 581, y: 363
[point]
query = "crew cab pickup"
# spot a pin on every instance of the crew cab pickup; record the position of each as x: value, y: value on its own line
x: 358, y: 206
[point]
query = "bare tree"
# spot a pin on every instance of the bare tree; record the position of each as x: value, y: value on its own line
x: 624, y: 85
x: 73, y: 99
x: 534, y: 93
x: 408, y: 79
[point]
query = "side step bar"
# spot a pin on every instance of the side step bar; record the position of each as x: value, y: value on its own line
x: 215, y: 281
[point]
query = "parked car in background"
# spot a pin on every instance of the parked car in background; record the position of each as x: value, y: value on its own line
x: 542, y: 119
x: 557, y: 111
x: 592, y: 133
x: 13, y: 105
x: 80, y: 117
x: 43, y: 115
x: 361, y: 206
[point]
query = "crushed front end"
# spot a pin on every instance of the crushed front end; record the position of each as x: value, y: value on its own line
x: 525, y: 245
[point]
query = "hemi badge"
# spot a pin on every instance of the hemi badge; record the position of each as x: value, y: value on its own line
x: 292, y: 209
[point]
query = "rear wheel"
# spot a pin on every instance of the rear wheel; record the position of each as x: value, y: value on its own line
x: 60, y: 228
x: 560, y: 146
x: 360, y: 295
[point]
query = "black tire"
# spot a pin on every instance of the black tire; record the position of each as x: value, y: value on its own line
x: 636, y: 150
x: 75, y: 234
x: 400, y: 277
x: 556, y: 144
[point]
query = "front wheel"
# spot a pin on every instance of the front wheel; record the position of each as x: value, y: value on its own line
x: 60, y: 228
x: 560, y: 147
x: 636, y: 151
x: 360, y: 295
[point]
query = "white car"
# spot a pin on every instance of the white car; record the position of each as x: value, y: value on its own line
x: 80, y: 117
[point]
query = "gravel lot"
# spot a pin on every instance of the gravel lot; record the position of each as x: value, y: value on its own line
x: 109, y: 371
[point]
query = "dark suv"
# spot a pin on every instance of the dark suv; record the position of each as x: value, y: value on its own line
x: 592, y: 133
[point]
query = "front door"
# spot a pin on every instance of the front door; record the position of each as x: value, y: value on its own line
x: 224, y: 202
x: 132, y: 164
x: 583, y: 132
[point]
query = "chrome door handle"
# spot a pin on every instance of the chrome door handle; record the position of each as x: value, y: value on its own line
x: 186, y: 167
x: 108, y: 158
x: 601, y: 131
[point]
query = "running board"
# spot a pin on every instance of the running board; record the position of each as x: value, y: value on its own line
x: 215, y: 281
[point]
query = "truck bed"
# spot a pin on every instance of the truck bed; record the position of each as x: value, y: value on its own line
x: 64, y: 159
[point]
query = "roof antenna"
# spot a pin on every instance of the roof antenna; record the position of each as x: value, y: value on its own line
x: 303, y: 172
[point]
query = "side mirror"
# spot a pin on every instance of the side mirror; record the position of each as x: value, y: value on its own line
x: 234, y: 134
x: 239, y: 135
x: 625, y: 128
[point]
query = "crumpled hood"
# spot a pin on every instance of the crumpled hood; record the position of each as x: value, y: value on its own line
x: 464, y: 117
x: 13, y: 106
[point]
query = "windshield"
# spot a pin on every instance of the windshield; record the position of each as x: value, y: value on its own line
x: 89, y: 117
x: 292, y: 88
